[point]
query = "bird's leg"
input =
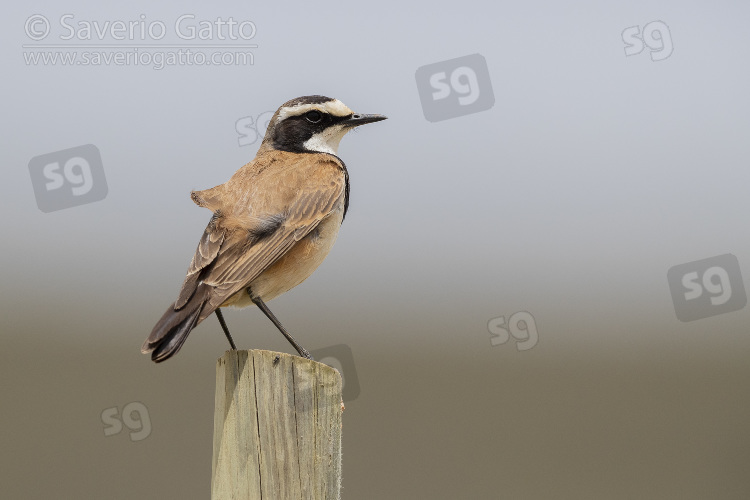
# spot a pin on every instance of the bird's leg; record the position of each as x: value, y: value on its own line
x: 263, y: 307
x: 223, y: 324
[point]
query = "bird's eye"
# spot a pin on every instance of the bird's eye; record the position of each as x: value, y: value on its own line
x: 313, y: 116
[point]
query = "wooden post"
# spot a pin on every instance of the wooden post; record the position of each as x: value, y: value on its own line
x: 277, y: 428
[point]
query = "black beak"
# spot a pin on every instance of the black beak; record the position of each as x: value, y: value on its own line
x: 358, y: 119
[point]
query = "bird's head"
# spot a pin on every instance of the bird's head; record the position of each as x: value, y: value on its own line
x: 312, y: 124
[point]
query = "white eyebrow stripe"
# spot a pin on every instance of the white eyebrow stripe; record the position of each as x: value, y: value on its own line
x: 334, y: 107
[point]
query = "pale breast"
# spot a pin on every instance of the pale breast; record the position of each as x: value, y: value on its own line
x: 296, y: 265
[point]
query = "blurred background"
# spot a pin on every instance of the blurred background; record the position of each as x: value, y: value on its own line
x: 539, y: 289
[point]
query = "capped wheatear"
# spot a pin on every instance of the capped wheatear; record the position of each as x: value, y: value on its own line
x: 274, y: 222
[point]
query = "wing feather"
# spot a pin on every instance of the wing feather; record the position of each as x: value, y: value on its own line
x: 241, y: 242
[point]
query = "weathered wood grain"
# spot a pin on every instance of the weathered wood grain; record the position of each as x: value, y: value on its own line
x: 277, y: 428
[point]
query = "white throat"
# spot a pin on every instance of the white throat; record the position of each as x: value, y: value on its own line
x: 326, y: 141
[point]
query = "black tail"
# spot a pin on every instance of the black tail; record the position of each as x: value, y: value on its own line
x: 175, y: 325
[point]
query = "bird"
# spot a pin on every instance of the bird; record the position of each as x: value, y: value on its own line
x: 274, y: 222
